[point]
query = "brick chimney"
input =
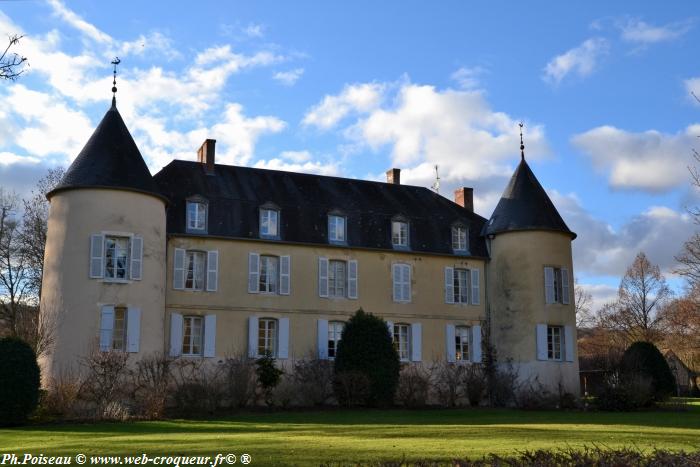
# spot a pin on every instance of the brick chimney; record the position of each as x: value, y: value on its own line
x: 206, y: 155
x: 465, y: 197
x: 393, y: 176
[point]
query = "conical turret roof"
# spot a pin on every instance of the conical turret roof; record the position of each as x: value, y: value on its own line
x: 525, y: 206
x: 110, y: 159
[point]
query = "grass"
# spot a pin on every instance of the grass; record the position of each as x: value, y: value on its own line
x: 314, y: 437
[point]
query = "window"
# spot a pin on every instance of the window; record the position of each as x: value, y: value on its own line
x: 556, y: 284
x: 196, y: 216
x: 399, y: 234
x: 336, y: 229
x: 462, y: 343
x: 116, y: 257
x: 194, y: 270
x: 402, y: 282
x: 269, y: 223
x: 401, y: 336
x: 119, y: 330
x: 336, y: 279
x: 554, y: 342
x: 459, y: 238
x: 335, y: 330
x: 461, y: 285
x: 269, y: 274
x: 267, y: 337
x: 192, y: 335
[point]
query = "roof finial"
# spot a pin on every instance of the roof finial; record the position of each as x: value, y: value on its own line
x: 115, y: 62
x: 436, y: 185
x: 522, y: 145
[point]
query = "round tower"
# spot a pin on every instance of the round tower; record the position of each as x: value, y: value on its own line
x: 104, y: 263
x: 531, y: 285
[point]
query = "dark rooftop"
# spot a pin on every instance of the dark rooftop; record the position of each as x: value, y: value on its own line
x: 110, y: 159
x: 525, y: 206
x: 235, y: 194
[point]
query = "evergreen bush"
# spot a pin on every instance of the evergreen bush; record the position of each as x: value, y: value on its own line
x: 19, y: 381
x: 366, y: 347
x: 643, y: 358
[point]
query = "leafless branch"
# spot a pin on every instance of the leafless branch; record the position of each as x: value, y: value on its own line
x: 12, y: 64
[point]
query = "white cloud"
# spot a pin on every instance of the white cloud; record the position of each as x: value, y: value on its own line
x: 154, y: 42
x: 296, y: 156
x: 74, y: 20
x: 353, y: 98
x: 650, y: 161
x: 313, y: 167
x: 8, y: 158
x: 581, y: 60
x: 288, y: 78
x: 637, y: 31
x: 254, y: 30
x: 468, y: 78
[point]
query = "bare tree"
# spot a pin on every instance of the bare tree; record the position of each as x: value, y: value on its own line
x: 12, y: 64
x: 14, y: 287
x: 643, y: 292
x: 585, y: 317
x: 34, y: 225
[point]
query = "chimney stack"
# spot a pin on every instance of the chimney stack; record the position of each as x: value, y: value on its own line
x: 206, y: 155
x: 465, y: 197
x: 393, y: 176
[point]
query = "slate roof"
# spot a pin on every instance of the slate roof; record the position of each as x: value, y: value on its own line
x: 235, y: 194
x: 525, y: 206
x: 110, y: 159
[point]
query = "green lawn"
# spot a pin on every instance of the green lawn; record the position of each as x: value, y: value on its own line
x: 313, y: 437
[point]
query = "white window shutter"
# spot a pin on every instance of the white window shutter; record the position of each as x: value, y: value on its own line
x: 569, y: 342
x: 175, y: 334
x: 541, y: 342
x: 212, y: 270
x: 285, y: 273
x: 396, y: 278
x: 449, y: 285
x: 390, y: 328
x: 133, y: 329
x: 283, y: 339
x: 106, y: 327
x: 179, y: 269
x: 253, y: 273
x: 416, y: 341
x: 97, y: 244
x: 476, y: 344
x: 136, y: 258
x: 210, y: 335
x: 549, y: 284
x: 565, y: 286
x: 253, y: 336
x: 323, y: 277
x: 450, y: 343
x: 352, y: 279
x: 475, y: 287
x: 322, y: 339
x: 406, y: 287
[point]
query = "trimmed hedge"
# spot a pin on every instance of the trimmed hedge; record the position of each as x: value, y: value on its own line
x: 366, y: 348
x: 19, y: 381
x: 643, y: 358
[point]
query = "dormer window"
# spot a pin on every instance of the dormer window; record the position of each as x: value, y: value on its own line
x: 459, y: 238
x: 336, y: 228
x: 399, y: 233
x: 269, y: 223
x: 196, y: 216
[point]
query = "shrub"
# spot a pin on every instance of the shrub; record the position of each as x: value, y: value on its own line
x: 240, y: 380
x: 151, y: 385
x: 314, y: 381
x: 448, y: 383
x: 414, y: 386
x: 475, y: 381
x: 645, y: 359
x: 269, y: 377
x: 19, y: 374
x: 61, y: 396
x: 199, y: 388
x: 104, y: 386
x: 366, y: 347
x: 352, y: 388
x: 533, y: 395
x: 501, y: 379
x: 285, y: 393
x: 624, y: 392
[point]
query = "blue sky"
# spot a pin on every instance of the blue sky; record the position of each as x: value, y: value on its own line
x: 355, y: 88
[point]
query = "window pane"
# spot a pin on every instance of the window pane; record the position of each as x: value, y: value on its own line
x: 119, y: 331
x: 399, y: 233
x: 116, y: 257
x: 336, y: 278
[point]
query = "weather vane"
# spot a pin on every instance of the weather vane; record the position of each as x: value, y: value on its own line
x: 115, y: 62
x: 522, y: 145
x: 436, y: 185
